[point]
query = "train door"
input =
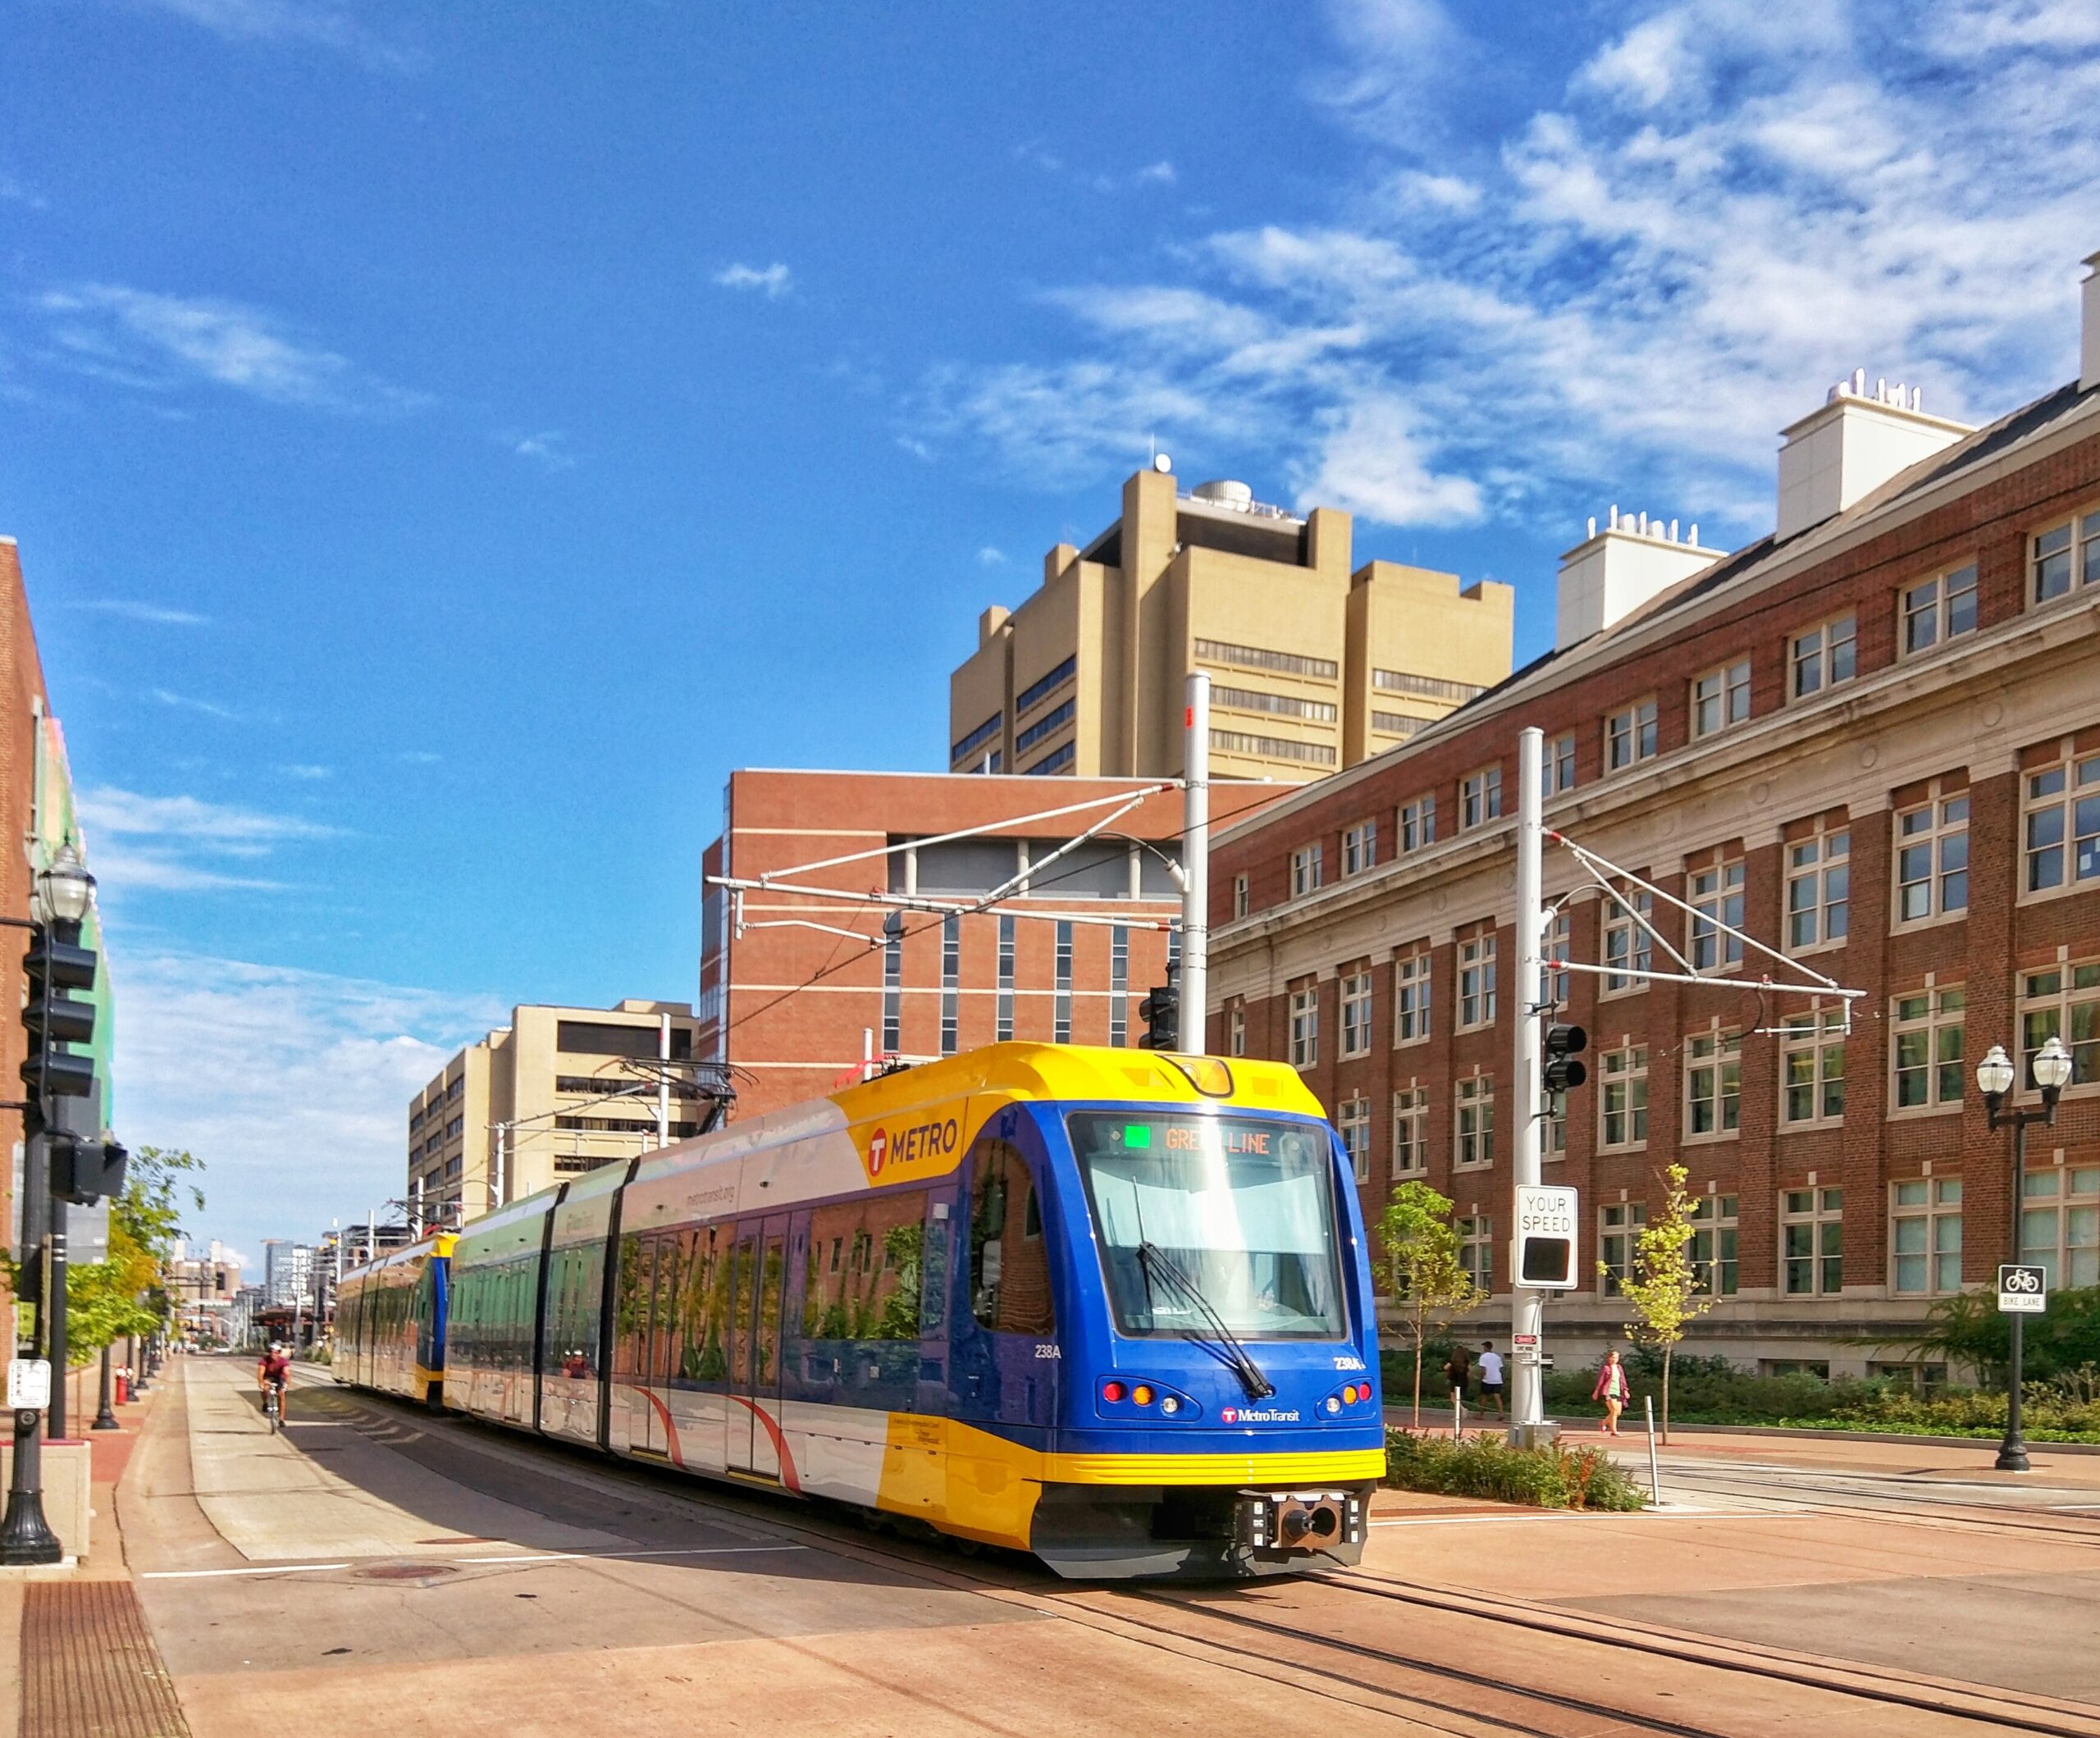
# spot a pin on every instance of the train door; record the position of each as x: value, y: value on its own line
x: 756, y: 1323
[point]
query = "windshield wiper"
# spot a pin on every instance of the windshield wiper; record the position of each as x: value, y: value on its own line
x: 1152, y: 1259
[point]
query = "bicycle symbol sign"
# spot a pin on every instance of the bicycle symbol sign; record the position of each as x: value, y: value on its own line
x: 2022, y: 1289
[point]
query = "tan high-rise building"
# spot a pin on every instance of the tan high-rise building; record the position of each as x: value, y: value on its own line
x: 1314, y: 666
x: 556, y: 1093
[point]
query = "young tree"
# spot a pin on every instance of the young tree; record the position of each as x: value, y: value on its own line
x: 1662, y: 1282
x: 1423, y: 1270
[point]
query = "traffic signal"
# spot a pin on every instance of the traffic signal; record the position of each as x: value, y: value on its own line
x: 1563, y: 1043
x: 85, y: 1171
x: 1161, y: 1013
x: 54, y: 1019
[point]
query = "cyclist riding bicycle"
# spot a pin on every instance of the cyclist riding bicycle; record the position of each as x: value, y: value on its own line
x: 273, y: 1372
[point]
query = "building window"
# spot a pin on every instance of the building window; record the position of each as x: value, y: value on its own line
x: 1359, y: 847
x: 1055, y: 761
x: 1410, y: 1132
x: 1557, y: 766
x: 1480, y: 798
x: 1559, y: 949
x: 1283, y: 705
x: 1044, y: 686
x: 1239, y: 895
x: 1273, y: 748
x: 1812, y: 1067
x: 1939, y: 608
x: 1812, y: 1242
x: 1411, y: 981
x: 1819, y: 889
x: 1714, y: 1244
x: 1928, y: 1049
x: 1356, y: 1013
x: 2062, y: 1003
x: 1825, y: 656
x: 1006, y: 1006
x: 1304, y: 871
x: 2062, y: 824
x: 1476, y: 981
x: 1049, y: 724
x: 1417, y: 823
x: 1630, y: 736
x: 1354, y: 1124
x: 1716, y: 899
x: 1712, y: 1085
x: 1619, y: 1242
x: 1305, y: 1027
x: 1235, y: 1032
x: 1925, y: 1236
x: 950, y: 979
x: 1398, y: 724
x: 2066, y: 552
x: 1119, y: 987
x: 1476, y: 1249
x: 1475, y: 1144
x: 1931, y: 860
x: 1429, y: 687
x: 893, y: 995
x: 1628, y: 945
x: 967, y: 748
x: 1720, y: 698
x: 1061, y: 999
x: 1622, y: 1104
x: 2060, y: 1225
x: 1259, y: 658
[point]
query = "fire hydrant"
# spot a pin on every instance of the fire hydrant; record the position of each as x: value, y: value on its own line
x: 123, y: 1386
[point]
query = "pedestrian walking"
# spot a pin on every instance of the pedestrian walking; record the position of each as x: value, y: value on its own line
x: 1613, y: 1389
x: 1491, y: 1377
x: 1458, y: 1370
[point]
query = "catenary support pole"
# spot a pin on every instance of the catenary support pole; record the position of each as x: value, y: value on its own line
x: 663, y: 1080
x: 25, y: 1537
x: 55, y: 1338
x: 1527, y: 1304
x: 2012, y: 1451
x: 1196, y: 869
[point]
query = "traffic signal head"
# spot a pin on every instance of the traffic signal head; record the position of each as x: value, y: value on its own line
x: 85, y: 1171
x: 1161, y: 1013
x: 1562, y: 1043
x: 54, y: 1019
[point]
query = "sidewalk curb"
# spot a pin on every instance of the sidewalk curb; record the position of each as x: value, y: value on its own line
x: 1920, y: 1440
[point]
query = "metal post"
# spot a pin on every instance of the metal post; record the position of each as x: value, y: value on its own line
x: 1527, y: 1303
x: 1196, y: 870
x: 1654, y: 1470
x: 495, y: 1183
x: 25, y: 1537
x: 663, y: 1080
x: 54, y: 1419
x: 106, y: 1414
x: 2012, y: 1451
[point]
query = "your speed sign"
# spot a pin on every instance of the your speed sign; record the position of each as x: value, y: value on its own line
x: 1544, y: 1255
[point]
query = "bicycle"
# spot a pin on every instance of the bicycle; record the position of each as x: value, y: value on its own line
x: 273, y: 1407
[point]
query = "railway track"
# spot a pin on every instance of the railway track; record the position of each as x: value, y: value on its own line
x: 1331, y: 1636
x: 1839, y: 1498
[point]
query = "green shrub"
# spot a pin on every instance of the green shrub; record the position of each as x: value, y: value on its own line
x: 1552, y: 1476
x: 1708, y: 1390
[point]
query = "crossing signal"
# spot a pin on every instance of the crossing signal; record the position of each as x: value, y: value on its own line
x: 1564, y: 1073
x: 85, y: 1171
x: 55, y: 1019
x: 1161, y: 1013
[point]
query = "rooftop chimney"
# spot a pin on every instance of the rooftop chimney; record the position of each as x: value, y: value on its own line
x: 1853, y: 445
x: 2088, y: 335
x: 989, y: 623
x: 1614, y: 572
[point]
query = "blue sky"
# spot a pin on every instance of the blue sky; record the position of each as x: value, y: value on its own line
x: 444, y: 441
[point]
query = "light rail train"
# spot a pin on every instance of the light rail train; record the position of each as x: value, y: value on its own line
x: 1113, y: 1307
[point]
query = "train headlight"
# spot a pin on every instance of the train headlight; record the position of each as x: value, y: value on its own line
x: 1170, y: 1406
x: 1334, y: 1403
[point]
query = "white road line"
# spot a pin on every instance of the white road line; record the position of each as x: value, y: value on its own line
x: 202, y: 1574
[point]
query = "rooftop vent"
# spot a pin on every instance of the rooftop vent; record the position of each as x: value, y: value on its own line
x: 1224, y: 493
x: 1856, y: 442
x: 2088, y: 335
x: 1612, y: 572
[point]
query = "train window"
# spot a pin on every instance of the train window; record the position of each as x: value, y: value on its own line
x: 873, y: 1291
x: 631, y: 1303
x: 702, y: 1357
x: 1009, y: 1275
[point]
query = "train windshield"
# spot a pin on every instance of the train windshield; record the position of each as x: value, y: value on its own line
x: 1241, y: 1207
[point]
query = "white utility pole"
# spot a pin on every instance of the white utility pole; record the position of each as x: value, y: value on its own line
x: 663, y: 1080
x: 495, y: 1181
x: 1196, y: 869
x: 1527, y: 1303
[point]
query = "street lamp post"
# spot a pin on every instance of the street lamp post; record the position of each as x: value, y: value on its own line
x: 1995, y: 1075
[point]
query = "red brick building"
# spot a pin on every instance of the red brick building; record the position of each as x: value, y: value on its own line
x: 796, y: 986
x: 1871, y: 739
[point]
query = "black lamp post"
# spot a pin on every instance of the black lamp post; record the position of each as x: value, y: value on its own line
x: 1995, y: 1075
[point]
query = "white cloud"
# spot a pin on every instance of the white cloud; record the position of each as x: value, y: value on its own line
x: 292, y: 1086
x: 989, y: 557
x: 298, y: 22
x: 1633, y: 286
x: 184, y: 844
x: 546, y: 449
x: 297, y: 769
x: 131, y: 609
x: 16, y: 191
x: 126, y: 814
x: 773, y: 281
x: 1160, y: 174
x: 186, y: 703
x: 152, y: 341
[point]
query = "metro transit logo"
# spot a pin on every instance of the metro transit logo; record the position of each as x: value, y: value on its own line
x: 878, y: 1151
x: 1248, y: 1415
x: 925, y: 1149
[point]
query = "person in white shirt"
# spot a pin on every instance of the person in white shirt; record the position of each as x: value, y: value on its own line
x: 1491, y: 1377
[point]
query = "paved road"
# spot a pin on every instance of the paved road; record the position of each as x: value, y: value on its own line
x: 377, y: 1568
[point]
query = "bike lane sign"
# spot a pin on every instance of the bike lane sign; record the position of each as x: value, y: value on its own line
x: 2022, y: 1290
